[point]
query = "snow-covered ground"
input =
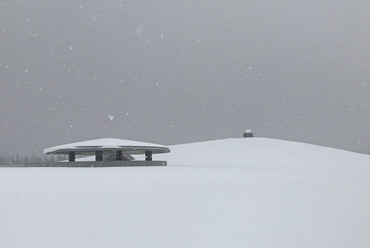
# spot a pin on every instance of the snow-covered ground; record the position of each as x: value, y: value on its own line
x: 252, y: 192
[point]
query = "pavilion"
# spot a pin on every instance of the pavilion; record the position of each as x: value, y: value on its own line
x: 108, y: 152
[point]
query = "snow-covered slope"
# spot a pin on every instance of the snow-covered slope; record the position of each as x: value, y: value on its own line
x: 226, y: 193
x: 261, y: 153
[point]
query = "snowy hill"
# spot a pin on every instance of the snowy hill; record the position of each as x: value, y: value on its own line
x: 261, y: 152
x: 226, y: 193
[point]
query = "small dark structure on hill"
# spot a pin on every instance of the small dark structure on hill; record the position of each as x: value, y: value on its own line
x: 247, y: 134
x: 107, y: 153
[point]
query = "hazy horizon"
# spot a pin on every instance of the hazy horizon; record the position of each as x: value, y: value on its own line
x: 175, y: 72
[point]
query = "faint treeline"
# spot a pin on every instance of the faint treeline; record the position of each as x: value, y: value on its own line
x: 32, y: 159
x: 364, y: 151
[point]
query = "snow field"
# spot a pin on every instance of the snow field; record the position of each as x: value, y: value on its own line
x: 243, y: 193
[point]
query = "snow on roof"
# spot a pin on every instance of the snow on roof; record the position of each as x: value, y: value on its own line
x: 106, y: 144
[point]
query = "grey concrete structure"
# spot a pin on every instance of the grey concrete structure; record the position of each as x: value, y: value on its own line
x: 90, y: 164
x: 71, y: 156
x: 247, y: 134
x: 108, y: 152
x: 107, y: 164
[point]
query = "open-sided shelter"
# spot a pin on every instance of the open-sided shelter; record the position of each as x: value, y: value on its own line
x: 109, y: 152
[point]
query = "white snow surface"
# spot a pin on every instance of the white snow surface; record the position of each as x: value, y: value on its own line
x: 102, y: 143
x: 252, y: 192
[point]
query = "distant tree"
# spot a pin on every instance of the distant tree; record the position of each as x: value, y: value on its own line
x: 26, y: 160
x: 2, y: 160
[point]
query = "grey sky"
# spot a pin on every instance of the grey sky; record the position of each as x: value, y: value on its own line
x: 179, y: 71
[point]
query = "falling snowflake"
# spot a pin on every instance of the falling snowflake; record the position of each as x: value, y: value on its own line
x: 111, y: 117
x: 139, y: 30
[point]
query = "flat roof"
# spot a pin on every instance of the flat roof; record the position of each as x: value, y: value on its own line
x: 108, y: 145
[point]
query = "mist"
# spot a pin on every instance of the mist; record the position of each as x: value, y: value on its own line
x: 174, y: 72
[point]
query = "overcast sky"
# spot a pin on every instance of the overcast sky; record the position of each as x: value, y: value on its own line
x: 171, y: 72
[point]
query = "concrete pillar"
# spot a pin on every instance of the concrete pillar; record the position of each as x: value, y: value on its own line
x: 148, y: 155
x: 119, y: 155
x: 99, y: 156
x: 71, y: 156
